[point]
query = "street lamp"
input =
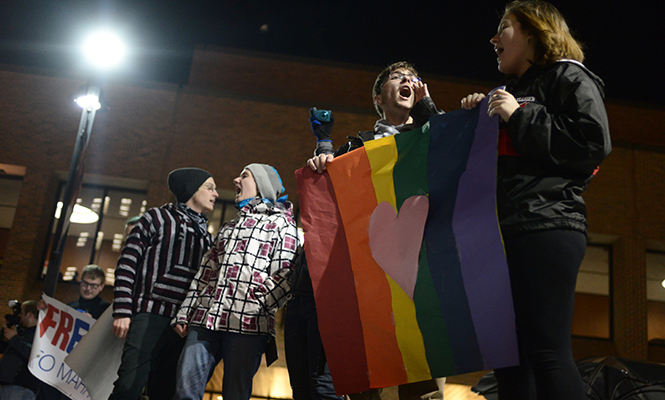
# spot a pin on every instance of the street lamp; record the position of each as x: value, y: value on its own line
x: 103, y: 51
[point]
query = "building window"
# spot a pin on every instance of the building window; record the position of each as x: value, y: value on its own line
x: 592, y: 316
x: 96, y: 230
x: 656, y: 294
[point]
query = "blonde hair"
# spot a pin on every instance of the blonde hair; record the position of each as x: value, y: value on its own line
x: 546, y: 24
x: 94, y: 272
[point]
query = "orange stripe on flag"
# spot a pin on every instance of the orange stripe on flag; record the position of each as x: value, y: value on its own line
x: 384, y: 358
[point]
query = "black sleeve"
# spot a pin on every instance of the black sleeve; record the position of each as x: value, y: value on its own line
x: 570, y: 130
x: 423, y: 110
x: 23, y: 343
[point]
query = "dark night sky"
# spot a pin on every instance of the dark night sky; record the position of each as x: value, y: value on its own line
x: 444, y: 37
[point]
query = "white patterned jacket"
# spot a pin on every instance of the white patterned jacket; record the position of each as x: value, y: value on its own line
x: 243, y: 279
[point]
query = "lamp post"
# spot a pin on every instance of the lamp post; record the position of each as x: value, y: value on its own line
x: 104, y: 51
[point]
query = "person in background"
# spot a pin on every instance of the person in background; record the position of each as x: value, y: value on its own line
x: 229, y: 312
x: 160, y: 257
x: 16, y: 381
x: 553, y: 134
x: 92, y: 283
x: 403, y: 102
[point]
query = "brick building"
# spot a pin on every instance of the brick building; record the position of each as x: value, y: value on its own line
x: 241, y: 107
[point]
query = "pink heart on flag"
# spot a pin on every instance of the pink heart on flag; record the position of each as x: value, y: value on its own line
x: 395, y: 240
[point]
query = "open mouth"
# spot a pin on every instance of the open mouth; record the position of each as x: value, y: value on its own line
x: 405, y: 92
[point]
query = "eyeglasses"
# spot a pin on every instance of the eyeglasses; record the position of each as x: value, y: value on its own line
x: 93, y: 286
x: 209, y: 187
x: 402, y: 75
x: 398, y: 76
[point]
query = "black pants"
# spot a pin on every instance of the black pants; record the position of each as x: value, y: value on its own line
x: 306, y: 361
x: 149, y: 356
x: 543, y: 269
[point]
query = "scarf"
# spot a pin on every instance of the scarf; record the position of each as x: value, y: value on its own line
x: 383, y: 128
x: 200, y: 221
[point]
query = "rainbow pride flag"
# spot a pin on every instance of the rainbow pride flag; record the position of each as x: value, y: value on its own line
x: 420, y: 293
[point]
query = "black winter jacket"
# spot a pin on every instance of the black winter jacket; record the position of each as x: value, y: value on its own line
x: 14, y: 362
x: 551, y: 148
x: 95, y: 306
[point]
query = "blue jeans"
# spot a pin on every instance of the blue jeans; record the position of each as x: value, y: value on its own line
x: 15, y: 392
x: 204, y: 349
x: 305, y: 358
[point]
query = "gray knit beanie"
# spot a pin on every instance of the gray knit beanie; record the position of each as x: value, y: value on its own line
x: 268, y: 182
x: 184, y: 182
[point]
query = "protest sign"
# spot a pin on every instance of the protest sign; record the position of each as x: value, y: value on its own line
x: 59, y: 330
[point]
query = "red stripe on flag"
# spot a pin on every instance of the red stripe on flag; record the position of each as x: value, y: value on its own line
x: 334, y: 291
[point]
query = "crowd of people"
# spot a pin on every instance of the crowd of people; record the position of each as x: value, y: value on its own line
x: 184, y: 300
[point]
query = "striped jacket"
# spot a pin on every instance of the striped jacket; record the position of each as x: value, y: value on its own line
x: 244, y: 277
x: 158, y: 261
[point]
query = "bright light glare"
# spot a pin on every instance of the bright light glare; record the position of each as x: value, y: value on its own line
x: 80, y: 214
x: 89, y: 101
x: 104, y: 50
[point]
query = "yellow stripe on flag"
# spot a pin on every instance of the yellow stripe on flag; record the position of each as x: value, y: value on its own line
x: 382, y: 155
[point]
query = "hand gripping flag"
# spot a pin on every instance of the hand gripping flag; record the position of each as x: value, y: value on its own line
x: 406, y: 257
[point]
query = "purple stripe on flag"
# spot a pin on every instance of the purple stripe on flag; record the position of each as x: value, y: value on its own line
x: 487, y: 289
